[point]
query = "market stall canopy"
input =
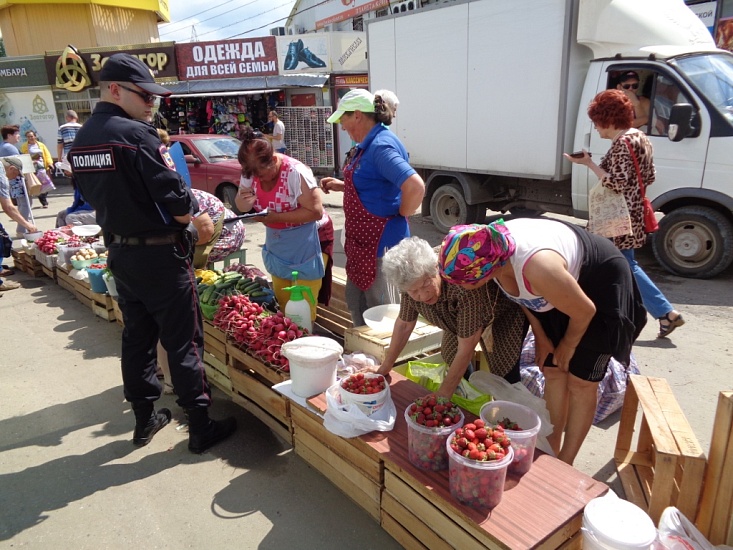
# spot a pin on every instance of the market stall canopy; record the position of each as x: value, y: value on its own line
x: 244, y: 85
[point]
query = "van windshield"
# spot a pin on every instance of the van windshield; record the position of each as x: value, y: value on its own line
x: 713, y: 75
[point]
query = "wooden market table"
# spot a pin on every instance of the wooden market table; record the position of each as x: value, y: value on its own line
x: 542, y: 509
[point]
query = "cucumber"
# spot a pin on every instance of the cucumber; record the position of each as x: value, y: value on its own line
x: 252, y: 287
x: 259, y: 293
x: 224, y: 284
x: 207, y: 294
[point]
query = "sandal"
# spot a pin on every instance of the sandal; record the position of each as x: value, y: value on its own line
x: 168, y: 389
x: 667, y: 324
x: 6, y: 272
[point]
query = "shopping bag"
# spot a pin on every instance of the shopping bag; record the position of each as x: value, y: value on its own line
x: 32, y: 184
x: 46, y: 183
x: 608, y: 213
x: 431, y: 375
x: 348, y: 420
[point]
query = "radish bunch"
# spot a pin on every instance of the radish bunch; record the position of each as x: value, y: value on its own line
x: 48, y: 241
x: 255, y: 330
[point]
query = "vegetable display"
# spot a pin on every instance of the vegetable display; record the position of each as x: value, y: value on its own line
x: 256, y: 330
x: 230, y: 283
x: 48, y: 241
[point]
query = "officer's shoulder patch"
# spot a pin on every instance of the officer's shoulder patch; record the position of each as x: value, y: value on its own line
x: 167, y: 157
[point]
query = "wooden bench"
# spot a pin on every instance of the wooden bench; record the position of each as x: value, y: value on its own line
x: 666, y: 465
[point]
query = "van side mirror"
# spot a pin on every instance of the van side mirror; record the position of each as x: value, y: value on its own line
x: 680, y: 121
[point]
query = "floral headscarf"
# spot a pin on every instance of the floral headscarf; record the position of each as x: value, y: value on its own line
x: 470, y: 253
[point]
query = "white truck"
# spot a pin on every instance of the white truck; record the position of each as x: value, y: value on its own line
x: 492, y: 92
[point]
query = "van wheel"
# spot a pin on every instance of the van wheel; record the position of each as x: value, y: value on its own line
x: 695, y: 242
x: 227, y: 193
x: 448, y: 207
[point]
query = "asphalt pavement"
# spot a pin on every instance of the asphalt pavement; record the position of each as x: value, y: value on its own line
x: 71, y: 478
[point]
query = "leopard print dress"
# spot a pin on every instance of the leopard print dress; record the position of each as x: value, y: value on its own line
x: 622, y: 178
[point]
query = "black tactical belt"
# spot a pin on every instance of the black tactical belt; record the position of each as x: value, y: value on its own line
x: 146, y: 241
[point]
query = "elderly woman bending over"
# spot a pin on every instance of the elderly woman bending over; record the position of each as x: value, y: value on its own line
x: 463, y: 314
x: 579, y: 295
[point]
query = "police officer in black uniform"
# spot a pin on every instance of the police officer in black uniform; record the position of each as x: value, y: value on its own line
x: 144, y: 208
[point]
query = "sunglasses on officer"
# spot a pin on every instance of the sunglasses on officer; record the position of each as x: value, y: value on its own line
x: 147, y: 98
x: 634, y: 86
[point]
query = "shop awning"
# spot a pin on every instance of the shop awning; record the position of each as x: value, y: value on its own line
x: 243, y: 86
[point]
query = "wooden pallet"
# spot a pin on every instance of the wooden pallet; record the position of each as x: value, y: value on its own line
x: 252, y: 383
x: 715, y: 518
x: 424, y: 339
x: 350, y: 464
x: 667, y: 465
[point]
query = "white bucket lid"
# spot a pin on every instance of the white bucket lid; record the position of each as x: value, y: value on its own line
x: 312, y: 348
x: 619, y: 523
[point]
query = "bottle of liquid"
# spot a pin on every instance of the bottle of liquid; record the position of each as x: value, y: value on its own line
x: 297, y: 308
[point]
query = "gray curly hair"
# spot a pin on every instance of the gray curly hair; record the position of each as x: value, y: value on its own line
x: 409, y: 261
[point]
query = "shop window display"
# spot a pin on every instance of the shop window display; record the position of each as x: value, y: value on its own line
x: 214, y: 115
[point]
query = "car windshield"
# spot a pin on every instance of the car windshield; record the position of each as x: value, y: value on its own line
x: 218, y: 149
x: 713, y: 76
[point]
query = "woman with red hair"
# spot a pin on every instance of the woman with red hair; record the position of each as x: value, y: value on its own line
x: 627, y: 166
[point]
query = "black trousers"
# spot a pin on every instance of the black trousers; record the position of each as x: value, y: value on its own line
x: 158, y: 300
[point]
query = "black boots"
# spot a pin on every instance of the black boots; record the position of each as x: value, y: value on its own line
x: 148, y: 423
x: 204, y: 433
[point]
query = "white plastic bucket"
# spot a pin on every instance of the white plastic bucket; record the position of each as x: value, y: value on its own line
x: 368, y: 403
x: 610, y: 523
x: 313, y: 362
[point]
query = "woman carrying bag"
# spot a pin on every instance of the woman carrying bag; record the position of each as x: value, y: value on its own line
x: 628, y: 168
x: 42, y: 161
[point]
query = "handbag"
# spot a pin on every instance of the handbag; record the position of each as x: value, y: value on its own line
x: 32, y: 184
x: 6, y: 244
x: 650, y: 220
x: 608, y: 213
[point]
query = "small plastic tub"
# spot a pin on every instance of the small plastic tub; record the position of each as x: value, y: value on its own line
x: 426, y: 446
x: 368, y: 403
x: 524, y: 440
x: 478, y: 484
x: 81, y: 264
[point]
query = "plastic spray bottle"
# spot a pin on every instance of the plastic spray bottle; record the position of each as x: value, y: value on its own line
x: 297, y: 308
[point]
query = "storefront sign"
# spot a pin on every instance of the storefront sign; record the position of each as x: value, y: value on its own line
x: 706, y: 13
x: 31, y: 110
x: 22, y: 72
x: 75, y: 70
x: 348, y: 52
x: 351, y: 81
x: 341, y: 10
x: 227, y: 59
x: 304, y: 53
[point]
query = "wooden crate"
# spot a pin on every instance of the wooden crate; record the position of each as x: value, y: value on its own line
x: 715, y: 518
x: 252, y: 383
x: 335, y: 317
x: 49, y: 272
x: 350, y: 464
x: 423, y: 340
x: 542, y: 509
x: 667, y: 465
x: 215, y: 342
x: 118, y: 312
x: 26, y: 262
x: 102, y: 305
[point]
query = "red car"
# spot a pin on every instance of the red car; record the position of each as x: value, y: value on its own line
x: 212, y: 163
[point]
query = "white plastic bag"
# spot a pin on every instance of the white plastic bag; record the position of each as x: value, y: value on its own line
x: 676, y: 532
x: 501, y: 390
x: 348, y: 420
